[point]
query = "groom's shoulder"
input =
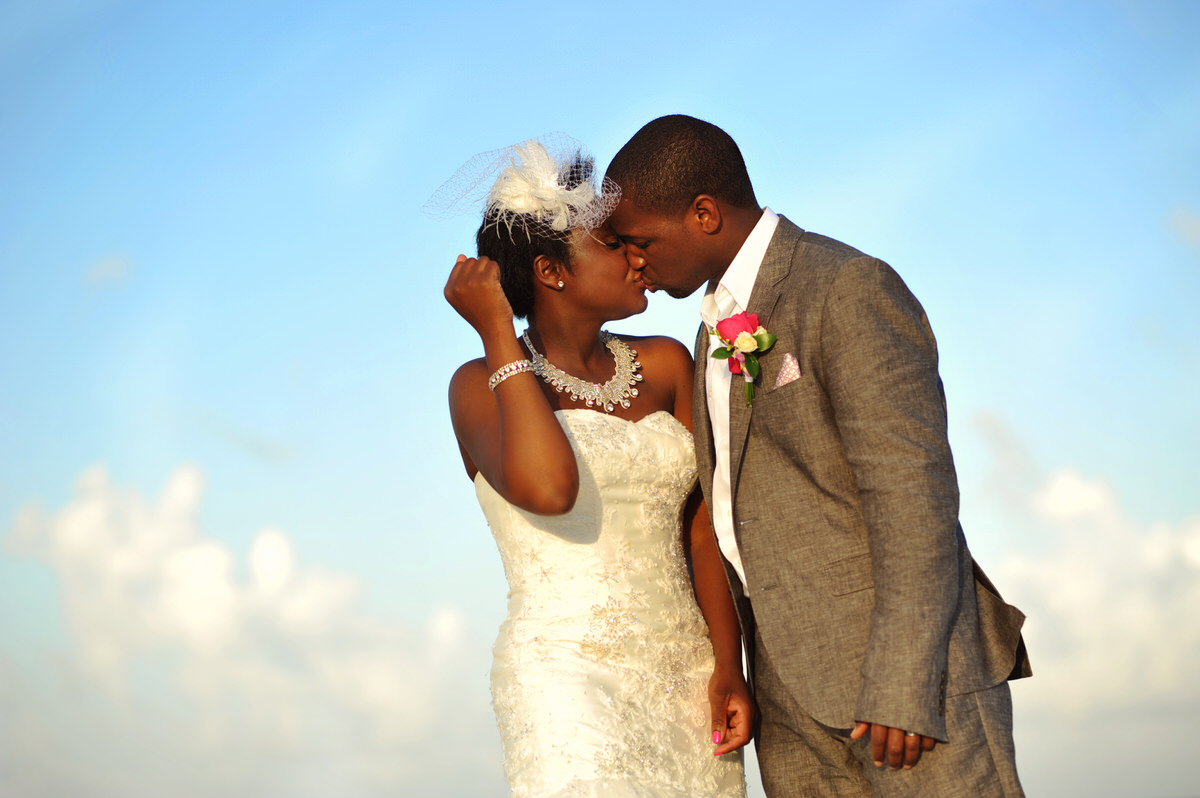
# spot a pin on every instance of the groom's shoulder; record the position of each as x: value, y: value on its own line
x: 808, y: 244
x: 815, y: 261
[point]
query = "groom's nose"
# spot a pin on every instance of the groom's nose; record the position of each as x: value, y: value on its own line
x: 636, y: 262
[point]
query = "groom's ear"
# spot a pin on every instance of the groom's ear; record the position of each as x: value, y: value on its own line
x: 705, y: 214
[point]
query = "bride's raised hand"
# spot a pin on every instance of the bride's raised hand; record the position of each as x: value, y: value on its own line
x: 507, y: 432
x: 474, y: 291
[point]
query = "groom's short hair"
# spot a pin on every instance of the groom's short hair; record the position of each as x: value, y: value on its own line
x: 674, y: 159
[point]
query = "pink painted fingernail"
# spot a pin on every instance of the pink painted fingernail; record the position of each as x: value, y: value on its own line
x: 716, y: 737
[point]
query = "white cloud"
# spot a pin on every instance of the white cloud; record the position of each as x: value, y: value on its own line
x: 249, y: 441
x: 1112, y: 630
x: 196, y: 671
x: 111, y: 270
x: 1111, y: 603
x: 1069, y: 495
x: 207, y: 683
x: 1186, y: 224
x: 272, y: 562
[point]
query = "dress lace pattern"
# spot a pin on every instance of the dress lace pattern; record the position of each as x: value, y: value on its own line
x: 600, y: 671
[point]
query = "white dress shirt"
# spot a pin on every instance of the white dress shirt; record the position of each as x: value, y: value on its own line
x: 729, y: 296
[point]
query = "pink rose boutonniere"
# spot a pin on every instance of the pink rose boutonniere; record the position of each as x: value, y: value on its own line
x: 745, y: 340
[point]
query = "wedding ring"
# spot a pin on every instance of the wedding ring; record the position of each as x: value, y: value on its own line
x: 910, y: 734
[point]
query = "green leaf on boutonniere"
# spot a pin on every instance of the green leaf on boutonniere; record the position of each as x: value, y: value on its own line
x: 722, y: 354
x: 765, y: 341
x: 751, y: 366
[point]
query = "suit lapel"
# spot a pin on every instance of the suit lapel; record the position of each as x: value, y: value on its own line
x: 767, y: 286
x: 701, y: 422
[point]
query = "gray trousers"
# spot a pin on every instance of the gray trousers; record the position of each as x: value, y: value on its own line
x: 798, y: 756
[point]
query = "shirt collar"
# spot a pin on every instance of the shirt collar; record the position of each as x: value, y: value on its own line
x: 732, y: 292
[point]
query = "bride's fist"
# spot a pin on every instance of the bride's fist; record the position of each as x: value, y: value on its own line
x: 474, y: 291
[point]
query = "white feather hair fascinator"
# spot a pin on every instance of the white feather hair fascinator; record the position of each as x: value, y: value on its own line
x: 545, y: 186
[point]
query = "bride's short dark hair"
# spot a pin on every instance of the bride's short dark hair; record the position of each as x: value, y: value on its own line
x: 515, y: 251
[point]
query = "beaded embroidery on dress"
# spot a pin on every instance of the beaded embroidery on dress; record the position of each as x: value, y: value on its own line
x: 600, y: 672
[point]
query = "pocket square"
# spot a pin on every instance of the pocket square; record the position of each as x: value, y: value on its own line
x: 789, y: 372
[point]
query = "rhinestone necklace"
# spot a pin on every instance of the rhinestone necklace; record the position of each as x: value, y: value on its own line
x: 617, y: 391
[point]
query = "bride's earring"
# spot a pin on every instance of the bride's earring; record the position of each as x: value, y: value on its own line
x: 561, y: 283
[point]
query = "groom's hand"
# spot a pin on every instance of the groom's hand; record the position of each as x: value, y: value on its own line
x: 893, y: 747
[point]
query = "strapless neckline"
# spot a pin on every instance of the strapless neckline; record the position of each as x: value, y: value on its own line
x: 578, y: 412
x: 667, y: 413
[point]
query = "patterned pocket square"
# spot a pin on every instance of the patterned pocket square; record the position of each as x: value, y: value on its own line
x: 790, y: 371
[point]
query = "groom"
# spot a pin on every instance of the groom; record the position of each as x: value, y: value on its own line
x: 879, y: 651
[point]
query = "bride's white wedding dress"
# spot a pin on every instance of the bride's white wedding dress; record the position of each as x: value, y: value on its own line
x: 600, y: 672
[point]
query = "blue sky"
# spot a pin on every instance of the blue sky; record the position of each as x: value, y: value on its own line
x: 239, y: 552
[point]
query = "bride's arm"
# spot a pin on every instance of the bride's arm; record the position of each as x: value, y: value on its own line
x: 509, y: 435
x: 729, y: 697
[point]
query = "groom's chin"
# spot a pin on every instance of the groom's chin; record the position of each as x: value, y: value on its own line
x: 680, y: 293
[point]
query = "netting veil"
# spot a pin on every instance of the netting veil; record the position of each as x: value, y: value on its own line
x: 545, y: 186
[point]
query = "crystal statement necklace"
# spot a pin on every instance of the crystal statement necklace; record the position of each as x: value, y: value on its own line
x: 617, y: 391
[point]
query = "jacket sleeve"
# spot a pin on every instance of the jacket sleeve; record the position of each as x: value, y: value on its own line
x: 880, y: 364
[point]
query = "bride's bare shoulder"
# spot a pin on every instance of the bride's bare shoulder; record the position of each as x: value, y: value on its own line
x: 660, y: 347
x: 468, y: 383
x: 662, y: 357
x: 468, y: 374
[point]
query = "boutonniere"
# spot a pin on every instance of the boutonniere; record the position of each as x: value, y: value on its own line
x: 744, y: 341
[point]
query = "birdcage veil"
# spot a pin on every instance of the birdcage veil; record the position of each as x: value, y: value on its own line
x: 545, y: 186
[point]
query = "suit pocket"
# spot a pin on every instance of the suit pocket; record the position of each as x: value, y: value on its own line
x: 850, y: 575
x: 1000, y: 629
x: 798, y: 393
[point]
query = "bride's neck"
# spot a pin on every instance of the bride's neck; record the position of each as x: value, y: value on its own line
x: 571, y: 345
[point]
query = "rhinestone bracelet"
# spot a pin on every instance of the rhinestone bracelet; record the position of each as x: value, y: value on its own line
x: 507, y: 370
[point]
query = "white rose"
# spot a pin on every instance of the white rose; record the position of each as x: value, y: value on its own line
x: 745, y: 342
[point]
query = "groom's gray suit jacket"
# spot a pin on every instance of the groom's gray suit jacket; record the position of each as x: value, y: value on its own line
x: 845, y: 500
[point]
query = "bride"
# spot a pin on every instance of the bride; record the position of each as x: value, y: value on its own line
x: 611, y: 677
